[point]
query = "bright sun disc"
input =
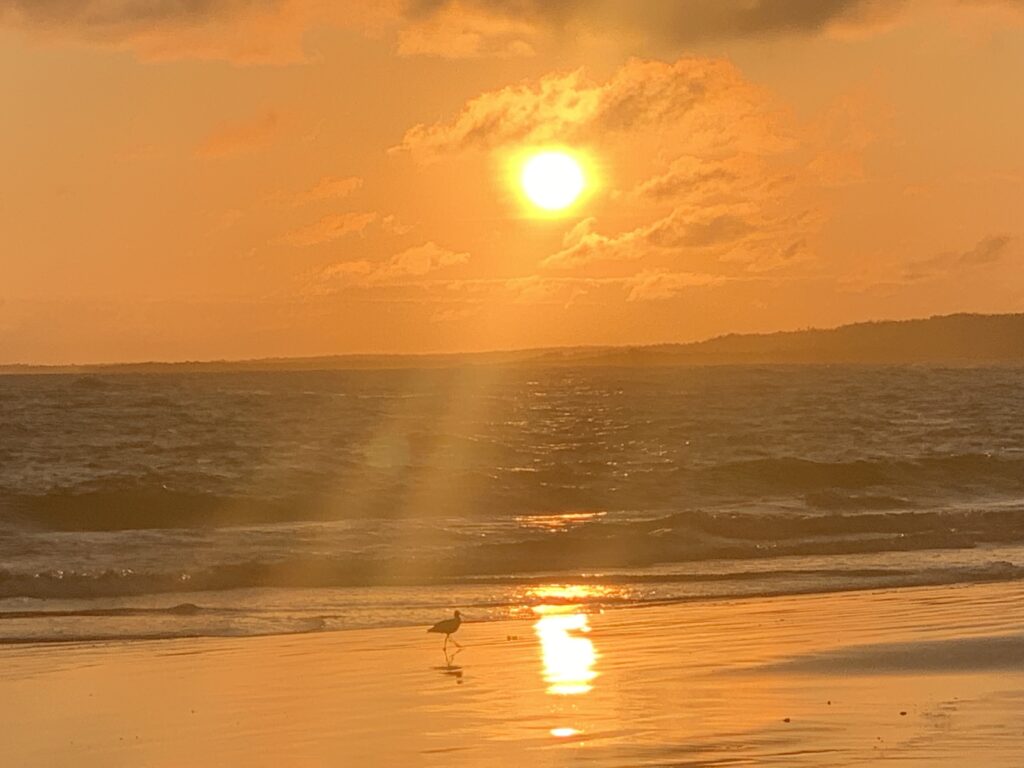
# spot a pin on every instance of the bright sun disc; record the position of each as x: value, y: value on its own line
x: 552, y: 180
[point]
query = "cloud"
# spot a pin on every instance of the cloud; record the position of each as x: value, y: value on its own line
x: 541, y: 289
x: 551, y: 289
x: 693, y: 176
x: 348, y: 269
x: 331, y: 188
x: 706, y: 99
x: 334, y: 226
x: 457, y: 31
x: 330, y: 228
x: 394, y: 226
x: 711, y: 180
x: 655, y: 285
x: 711, y: 228
x: 242, y: 136
x: 102, y: 14
x: 409, y: 277
x: 241, y: 31
x: 411, y: 263
x: 582, y: 246
x: 678, y: 22
x: 1011, y: 4
x: 647, y: 285
x: 986, y: 252
x: 886, y: 279
x: 272, y: 31
x: 679, y: 231
x: 417, y: 261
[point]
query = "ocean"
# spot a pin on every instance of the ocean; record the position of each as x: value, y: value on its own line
x: 234, y: 504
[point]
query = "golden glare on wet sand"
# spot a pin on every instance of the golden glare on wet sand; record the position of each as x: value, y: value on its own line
x: 568, y: 655
x: 920, y: 676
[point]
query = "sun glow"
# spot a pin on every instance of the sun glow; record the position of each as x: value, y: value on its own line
x: 552, y: 180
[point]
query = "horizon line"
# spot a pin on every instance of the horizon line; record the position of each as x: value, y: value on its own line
x: 7, y: 366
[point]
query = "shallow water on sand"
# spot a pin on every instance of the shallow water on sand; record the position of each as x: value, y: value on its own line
x: 739, y: 682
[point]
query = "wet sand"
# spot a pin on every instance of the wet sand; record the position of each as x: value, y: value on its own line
x: 925, y: 677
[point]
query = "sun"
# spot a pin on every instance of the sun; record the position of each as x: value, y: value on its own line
x: 552, y: 180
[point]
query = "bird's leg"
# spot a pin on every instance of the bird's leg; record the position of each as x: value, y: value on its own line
x: 456, y: 643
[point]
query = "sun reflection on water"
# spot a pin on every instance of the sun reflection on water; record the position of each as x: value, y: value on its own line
x: 554, y: 597
x: 563, y: 733
x: 557, y: 522
x: 568, y: 657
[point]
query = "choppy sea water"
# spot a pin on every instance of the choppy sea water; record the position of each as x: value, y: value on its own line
x: 157, y: 505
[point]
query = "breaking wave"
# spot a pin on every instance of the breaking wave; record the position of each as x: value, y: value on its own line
x: 690, y: 537
x: 861, y: 485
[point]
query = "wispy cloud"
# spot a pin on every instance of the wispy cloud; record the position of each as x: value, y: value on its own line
x: 887, y: 279
x: 424, y: 287
x: 676, y: 233
x: 461, y: 31
x: 241, y: 136
x: 330, y: 188
x: 330, y: 228
x: 273, y: 31
x: 410, y: 264
x: 240, y: 31
x: 709, y: 98
x: 986, y: 252
x: 656, y: 285
x: 675, y: 22
x: 417, y: 261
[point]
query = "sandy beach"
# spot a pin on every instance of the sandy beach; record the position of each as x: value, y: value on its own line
x: 925, y: 677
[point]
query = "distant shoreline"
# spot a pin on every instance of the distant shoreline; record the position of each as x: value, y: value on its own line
x: 958, y: 339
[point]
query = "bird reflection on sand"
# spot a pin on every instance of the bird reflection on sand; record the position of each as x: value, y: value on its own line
x: 449, y: 659
x: 450, y: 669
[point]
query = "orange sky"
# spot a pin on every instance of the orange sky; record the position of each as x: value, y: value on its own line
x: 248, y: 178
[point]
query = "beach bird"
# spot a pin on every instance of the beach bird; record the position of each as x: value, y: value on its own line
x: 448, y: 627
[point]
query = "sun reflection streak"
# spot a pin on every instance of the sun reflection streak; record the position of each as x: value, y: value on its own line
x: 553, y: 597
x: 559, y: 522
x: 568, y: 658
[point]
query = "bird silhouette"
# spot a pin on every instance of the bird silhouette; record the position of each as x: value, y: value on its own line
x: 448, y: 627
